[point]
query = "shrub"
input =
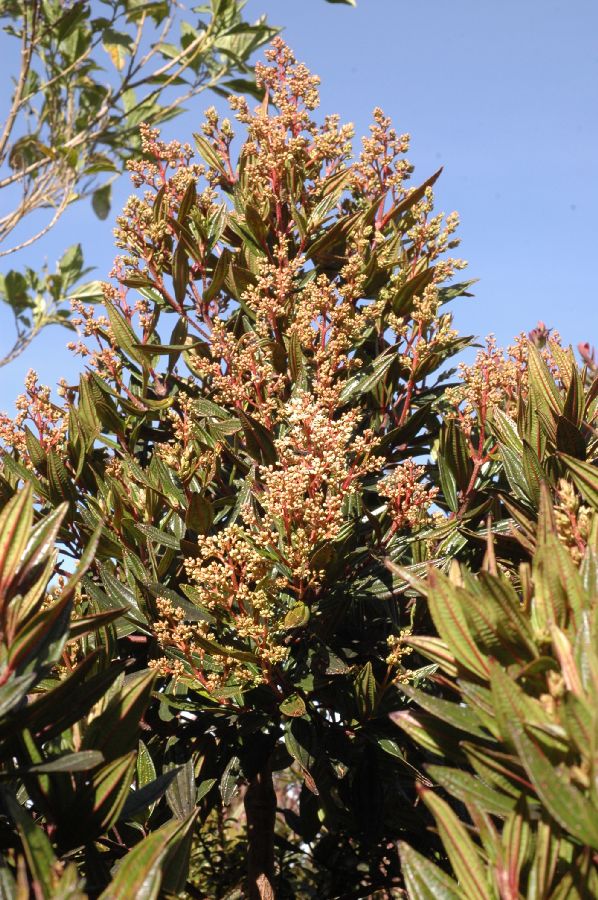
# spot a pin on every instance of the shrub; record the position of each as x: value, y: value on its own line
x: 509, y: 718
x: 67, y: 757
x: 289, y: 525
x: 251, y: 440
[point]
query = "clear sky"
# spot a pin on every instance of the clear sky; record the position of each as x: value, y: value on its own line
x: 502, y: 94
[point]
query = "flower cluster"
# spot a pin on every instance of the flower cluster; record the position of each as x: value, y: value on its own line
x: 573, y: 521
x: 493, y: 379
x: 35, y: 407
x: 320, y: 464
x: 289, y: 139
x: 408, y: 498
x: 250, y: 574
x: 240, y: 372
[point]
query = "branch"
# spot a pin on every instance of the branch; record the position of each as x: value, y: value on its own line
x: 20, y: 345
x: 26, y: 54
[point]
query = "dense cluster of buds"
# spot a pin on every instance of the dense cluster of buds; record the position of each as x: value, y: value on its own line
x: 409, y: 499
x: 250, y: 574
x: 36, y: 410
x: 495, y: 378
x: 573, y: 521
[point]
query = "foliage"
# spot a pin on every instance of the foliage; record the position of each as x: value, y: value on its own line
x: 509, y: 719
x: 90, y: 73
x: 293, y: 530
x: 244, y: 438
x: 69, y: 725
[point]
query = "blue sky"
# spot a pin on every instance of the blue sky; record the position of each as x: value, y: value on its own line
x: 503, y: 95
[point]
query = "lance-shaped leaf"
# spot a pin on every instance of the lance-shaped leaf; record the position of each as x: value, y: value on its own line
x: 41, y: 640
x: 260, y: 444
x: 108, y: 791
x: 464, y: 855
x: 453, y: 714
x: 15, y: 530
x: 584, y: 476
x: 423, y: 879
x: 114, y: 732
x: 563, y: 801
x: 450, y: 620
x: 181, y: 793
x: 472, y: 790
x: 141, y: 872
x: 39, y: 854
x: 125, y: 337
x: 365, y: 688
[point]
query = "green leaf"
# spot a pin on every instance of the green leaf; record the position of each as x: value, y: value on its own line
x: 461, y: 851
x: 448, y: 482
x: 392, y: 748
x: 180, y: 273
x: 297, y: 617
x: 423, y: 879
x: 62, y: 488
x: 546, y: 395
x: 513, y: 466
x: 15, y: 529
x: 91, y: 292
x: 454, y: 714
x: 14, y: 691
x: 38, y: 849
x: 89, y: 624
x: 35, y: 451
x: 584, y: 476
x: 260, y: 444
x: 230, y: 779
x: 379, y: 369
x: 114, y: 732
x: 365, y: 691
x: 207, y: 152
x: 41, y: 640
x: 200, y: 514
x: 100, y: 201
x: 293, y: 705
x: 141, y: 872
x: 124, y: 335
x: 138, y: 801
x: 505, y: 429
x: 71, y: 262
x: 471, y: 790
x: 163, y: 538
x: 562, y: 800
x: 56, y: 710
x: 181, y: 793
x: 437, y: 651
x: 82, y: 761
x: 569, y: 438
x: 534, y: 474
x: 110, y: 787
x: 427, y: 731
x: 451, y: 623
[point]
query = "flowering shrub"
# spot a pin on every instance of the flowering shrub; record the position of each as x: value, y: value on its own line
x: 251, y: 436
x: 508, y: 717
x: 268, y: 453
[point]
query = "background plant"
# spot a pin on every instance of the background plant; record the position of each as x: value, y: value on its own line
x: 69, y: 728
x: 88, y: 74
x: 508, y: 719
